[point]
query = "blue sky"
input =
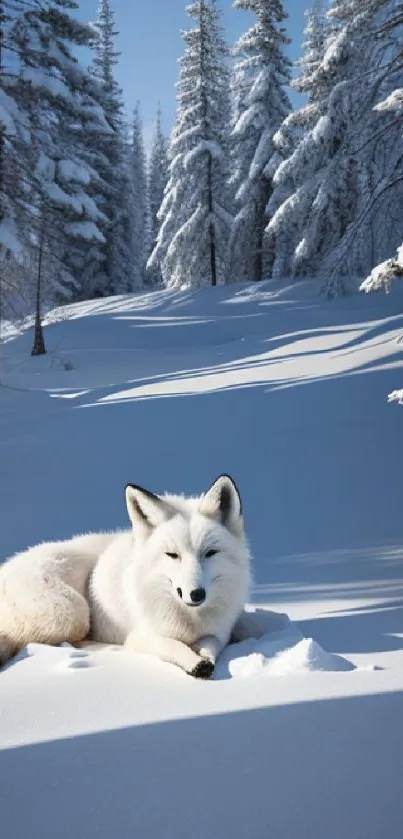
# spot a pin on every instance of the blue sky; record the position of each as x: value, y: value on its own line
x: 150, y: 44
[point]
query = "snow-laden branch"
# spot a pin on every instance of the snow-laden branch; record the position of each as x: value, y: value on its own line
x: 396, y: 396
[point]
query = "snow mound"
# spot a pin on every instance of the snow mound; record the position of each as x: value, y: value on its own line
x: 308, y: 655
x: 278, y: 653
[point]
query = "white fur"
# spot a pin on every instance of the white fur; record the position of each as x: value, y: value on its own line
x: 123, y: 587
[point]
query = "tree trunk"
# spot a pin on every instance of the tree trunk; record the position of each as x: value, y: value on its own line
x: 2, y: 126
x: 213, y: 256
x: 261, y: 227
x: 258, y: 261
x: 2, y: 140
x: 2, y: 196
x: 206, y: 134
x: 39, y: 342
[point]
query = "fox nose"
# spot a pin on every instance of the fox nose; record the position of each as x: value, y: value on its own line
x: 198, y: 596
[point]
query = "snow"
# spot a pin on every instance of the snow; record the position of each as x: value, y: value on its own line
x: 382, y: 276
x: 85, y: 230
x: 396, y: 396
x: 7, y: 109
x: 69, y: 170
x: 280, y: 651
x: 300, y: 733
x: 78, y: 201
x: 9, y: 236
x: 203, y: 147
x: 41, y: 79
x: 393, y: 102
x: 45, y: 167
x: 58, y: 195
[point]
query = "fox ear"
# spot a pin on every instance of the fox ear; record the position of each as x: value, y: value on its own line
x: 222, y: 501
x: 144, y: 508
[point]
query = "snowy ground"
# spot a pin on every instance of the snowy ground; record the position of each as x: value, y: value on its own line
x: 300, y: 736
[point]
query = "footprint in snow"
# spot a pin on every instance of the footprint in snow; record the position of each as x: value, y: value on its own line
x: 77, y: 660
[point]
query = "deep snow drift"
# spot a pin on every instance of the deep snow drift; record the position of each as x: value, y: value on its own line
x: 300, y: 734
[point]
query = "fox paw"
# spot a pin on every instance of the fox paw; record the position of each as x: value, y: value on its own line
x: 203, y: 670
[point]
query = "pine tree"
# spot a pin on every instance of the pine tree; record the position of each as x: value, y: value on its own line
x: 2, y: 118
x: 138, y: 182
x: 338, y: 163
x: 374, y: 230
x: 14, y: 138
x: 282, y: 237
x: 157, y: 178
x: 312, y: 81
x: 260, y: 104
x: 192, y: 241
x: 51, y: 109
x: 382, y: 276
x: 115, y: 272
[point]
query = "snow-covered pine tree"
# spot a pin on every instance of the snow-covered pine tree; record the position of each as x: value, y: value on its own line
x: 192, y: 241
x: 115, y: 275
x: 157, y: 179
x: 281, y: 239
x: 16, y: 283
x: 335, y: 164
x: 309, y: 82
x: 312, y: 80
x: 138, y: 184
x: 13, y: 136
x: 260, y: 104
x: 2, y: 123
x: 375, y: 231
x: 49, y: 185
x: 383, y: 276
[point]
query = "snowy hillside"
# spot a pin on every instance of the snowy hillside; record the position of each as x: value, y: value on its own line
x: 300, y: 734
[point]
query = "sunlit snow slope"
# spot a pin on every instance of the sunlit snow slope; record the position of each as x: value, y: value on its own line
x: 300, y: 736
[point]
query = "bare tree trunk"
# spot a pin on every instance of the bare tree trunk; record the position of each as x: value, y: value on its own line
x: 39, y: 342
x: 2, y: 127
x: 210, y: 185
x: 213, y: 255
x: 2, y: 141
x: 258, y: 266
x: 261, y: 226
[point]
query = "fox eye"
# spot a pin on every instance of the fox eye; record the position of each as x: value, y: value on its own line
x: 210, y: 553
x: 172, y: 555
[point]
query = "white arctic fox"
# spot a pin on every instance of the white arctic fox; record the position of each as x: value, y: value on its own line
x: 174, y: 586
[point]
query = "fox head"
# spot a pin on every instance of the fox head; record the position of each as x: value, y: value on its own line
x: 188, y: 547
